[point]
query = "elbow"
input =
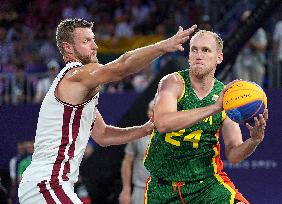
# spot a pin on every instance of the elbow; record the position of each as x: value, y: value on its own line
x: 233, y: 161
x: 161, y: 126
x: 100, y: 140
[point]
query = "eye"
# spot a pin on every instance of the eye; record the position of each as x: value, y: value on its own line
x: 205, y: 50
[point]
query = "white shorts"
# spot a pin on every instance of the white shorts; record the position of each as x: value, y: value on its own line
x: 34, y: 193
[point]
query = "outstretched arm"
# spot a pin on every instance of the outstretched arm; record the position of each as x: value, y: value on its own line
x: 106, y: 135
x: 126, y: 174
x: 235, y: 149
x: 93, y: 75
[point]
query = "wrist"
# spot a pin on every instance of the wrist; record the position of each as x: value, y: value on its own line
x: 255, y: 142
x: 126, y: 189
x: 216, y: 108
x: 161, y: 46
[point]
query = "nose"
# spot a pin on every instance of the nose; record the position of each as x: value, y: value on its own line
x: 199, y: 55
x: 94, y: 46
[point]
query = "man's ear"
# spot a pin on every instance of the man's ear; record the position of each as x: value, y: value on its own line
x: 219, y: 58
x: 68, y: 48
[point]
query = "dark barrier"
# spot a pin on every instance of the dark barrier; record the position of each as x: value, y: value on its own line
x: 19, y: 122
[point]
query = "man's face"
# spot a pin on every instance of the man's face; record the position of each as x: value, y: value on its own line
x: 204, y: 55
x: 84, y: 46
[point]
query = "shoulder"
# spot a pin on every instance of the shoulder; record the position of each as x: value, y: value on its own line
x: 172, y: 83
x: 79, y: 72
x: 171, y: 79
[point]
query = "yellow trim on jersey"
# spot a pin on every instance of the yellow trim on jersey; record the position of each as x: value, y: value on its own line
x: 183, y: 92
x: 220, y: 180
x: 149, y: 145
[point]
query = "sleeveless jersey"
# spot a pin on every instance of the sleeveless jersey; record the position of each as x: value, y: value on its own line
x: 61, y: 137
x: 189, y: 154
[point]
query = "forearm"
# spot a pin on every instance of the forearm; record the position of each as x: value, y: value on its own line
x: 175, y: 121
x: 242, y: 151
x: 126, y: 176
x: 135, y: 60
x: 116, y: 135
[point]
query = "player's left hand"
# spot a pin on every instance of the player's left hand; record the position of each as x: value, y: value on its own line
x: 175, y: 43
x: 257, y: 131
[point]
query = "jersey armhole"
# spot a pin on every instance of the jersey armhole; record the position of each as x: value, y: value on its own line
x: 184, y: 88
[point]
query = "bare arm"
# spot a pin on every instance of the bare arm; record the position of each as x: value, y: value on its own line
x: 106, y: 135
x: 166, y: 116
x: 126, y: 174
x: 235, y: 149
x: 93, y: 75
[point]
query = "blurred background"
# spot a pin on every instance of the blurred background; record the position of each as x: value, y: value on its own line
x: 29, y: 61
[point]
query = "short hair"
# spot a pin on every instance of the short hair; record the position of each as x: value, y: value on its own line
x: 216, y: 37
x: 65, y: 30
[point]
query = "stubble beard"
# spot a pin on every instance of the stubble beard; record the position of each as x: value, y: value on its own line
x: 200, y: 72
x: 85, y: 59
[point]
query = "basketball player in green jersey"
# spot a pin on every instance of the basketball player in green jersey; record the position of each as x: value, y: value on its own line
x: 183, y: 157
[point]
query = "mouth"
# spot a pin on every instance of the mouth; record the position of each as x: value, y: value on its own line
x: 199, y: 63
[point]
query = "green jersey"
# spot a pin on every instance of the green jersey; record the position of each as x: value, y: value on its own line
x: 192, y: 153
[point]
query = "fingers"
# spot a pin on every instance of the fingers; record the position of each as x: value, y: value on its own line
x: 249, y: 127
x: 265, y: 114
x: 180, y: 48
x: 260, y: 121
x: 192, y: 28
x: 180, y: 29
x: 189, y: 31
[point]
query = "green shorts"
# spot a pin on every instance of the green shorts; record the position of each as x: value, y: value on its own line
x: 212, y: 190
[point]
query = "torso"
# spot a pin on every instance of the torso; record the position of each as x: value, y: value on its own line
x: 62, y: 134
x: 191, y: 153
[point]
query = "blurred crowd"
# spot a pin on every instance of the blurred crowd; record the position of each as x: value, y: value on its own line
x: 29, y: 59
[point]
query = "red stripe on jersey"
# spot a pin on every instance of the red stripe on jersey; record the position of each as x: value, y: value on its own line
x: 46, y: 194
x: 64, y: 142
x: 218, y: 160
x: 66, y: 170
x: 61, y: 195
x: 75, y: 131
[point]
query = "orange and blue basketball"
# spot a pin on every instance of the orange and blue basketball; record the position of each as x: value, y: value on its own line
x: 243, y: 101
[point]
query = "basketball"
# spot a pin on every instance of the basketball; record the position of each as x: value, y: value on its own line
x: 243, y: 101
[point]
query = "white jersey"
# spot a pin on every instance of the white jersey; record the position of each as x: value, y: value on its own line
x: 62, y: 134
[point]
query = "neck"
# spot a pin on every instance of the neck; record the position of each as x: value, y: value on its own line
x: 202, y: 85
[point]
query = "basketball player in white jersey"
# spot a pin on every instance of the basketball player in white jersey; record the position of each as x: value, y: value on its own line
x: 68, y: 114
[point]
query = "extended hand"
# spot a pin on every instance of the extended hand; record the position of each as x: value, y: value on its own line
x: 149, y: 126
x: 175, y: 42
x: 257, y: 131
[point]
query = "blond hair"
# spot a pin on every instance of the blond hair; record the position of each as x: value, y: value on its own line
x: 65, y: 30
x: 218, y: 40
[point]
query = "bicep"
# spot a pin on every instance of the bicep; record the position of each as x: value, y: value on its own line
x: 231, y: 134
x: 93, y: 75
